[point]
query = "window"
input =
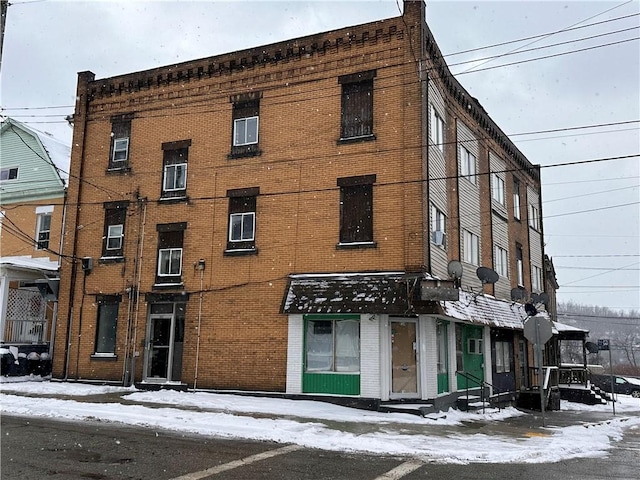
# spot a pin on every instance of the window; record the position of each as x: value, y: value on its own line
x: 500, y: 261
x: 503, y: 357
x: 120, y: 134
x: 10, y: 173
x: 536, y: 279
x: 246, y: 124
x: 470, y: 246
x: 242, y: 220
x: 332, y: 346
x: 174, y: 178
x: 170, y: 242
x: 516, y: 198
x: 474, y: 346
x: 519, y: 269
x: 534, y: 217
x: 357, y: 106
x: 245, y: 131
x: 113, y: 236
x: 43, y: 231
x: 468, y: 165
x: 437, y: 129
x: 356, y: 210
x: 438, y: 227
x: 497, y: 188
x: 106, y: 326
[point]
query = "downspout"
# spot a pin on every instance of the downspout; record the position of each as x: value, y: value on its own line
x: 126, y: 368
x: 52, y: 340
x: 134, y: 352
x: 82, y: 96
x: 195, y: 377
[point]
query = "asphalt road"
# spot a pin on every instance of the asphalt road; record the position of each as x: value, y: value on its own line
x: 34, y: 448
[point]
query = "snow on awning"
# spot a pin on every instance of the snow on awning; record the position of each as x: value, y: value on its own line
x: 483, y: 309
x: 393, y: 293
x: 568, y: 332
x: 28, y: 263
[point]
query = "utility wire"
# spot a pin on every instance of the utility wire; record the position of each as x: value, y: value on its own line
x: 549, y: 35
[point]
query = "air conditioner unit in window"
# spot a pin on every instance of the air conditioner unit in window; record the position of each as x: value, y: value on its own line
x: 439, y: 238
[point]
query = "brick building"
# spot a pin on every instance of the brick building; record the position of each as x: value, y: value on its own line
x: 284, y: 219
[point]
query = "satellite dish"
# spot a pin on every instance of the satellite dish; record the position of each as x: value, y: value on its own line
x: 535, y: 298
x: 487, y: 275
x: 530, y: 309
x: 454, y: 269
x: 591, y: 347
x: 518, y: 293
x: 543, y: 298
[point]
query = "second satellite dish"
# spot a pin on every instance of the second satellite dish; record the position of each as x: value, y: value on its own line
x: 454, y: 269
x: 487, y: 275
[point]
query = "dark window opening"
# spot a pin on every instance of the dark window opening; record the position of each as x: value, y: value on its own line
x: 356, y: 209
x: 357, y: 107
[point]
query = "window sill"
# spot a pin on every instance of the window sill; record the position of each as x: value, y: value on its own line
x: 246, y: 151
x: 168, y: 286
x: 362, y: 138
x: 105, y: 260
x: 107, y: 357
x: 239, y: 252
x: 118, y: 170
x: 351, y: 245
x: 170, y: 200
x: 441, y: 247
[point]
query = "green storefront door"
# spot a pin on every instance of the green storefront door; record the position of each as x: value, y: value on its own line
x: 469, y: 346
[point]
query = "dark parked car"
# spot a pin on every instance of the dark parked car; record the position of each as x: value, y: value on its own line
x: 622, y: 385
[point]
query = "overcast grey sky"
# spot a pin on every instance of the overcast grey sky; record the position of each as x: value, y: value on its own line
x: 596, y: 253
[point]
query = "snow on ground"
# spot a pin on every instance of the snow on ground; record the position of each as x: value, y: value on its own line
x: 438, y: 438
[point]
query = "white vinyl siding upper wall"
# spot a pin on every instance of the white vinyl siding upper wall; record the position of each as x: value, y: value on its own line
x: 535, y: 237
x: 437, y: 182
x: 469, y: 195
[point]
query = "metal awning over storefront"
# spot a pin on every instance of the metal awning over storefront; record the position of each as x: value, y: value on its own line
x: 394, y: 293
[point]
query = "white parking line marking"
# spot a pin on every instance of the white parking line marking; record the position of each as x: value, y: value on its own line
x: 401, y: 470
x: 238, y: 463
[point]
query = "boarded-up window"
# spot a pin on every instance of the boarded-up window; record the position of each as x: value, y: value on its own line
x: 357, y: 105
x: 356, y: 209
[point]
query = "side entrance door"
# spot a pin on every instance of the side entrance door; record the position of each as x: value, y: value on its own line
x: 404, y: 365
x: 165, y: 335
x: 470, y: 357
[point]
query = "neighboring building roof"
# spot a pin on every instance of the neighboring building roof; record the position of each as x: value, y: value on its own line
x: 28, y: 262
x: 393, y: 293
x: 42, y: 160
x: 27, y: 267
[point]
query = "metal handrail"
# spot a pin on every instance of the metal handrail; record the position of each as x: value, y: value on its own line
x: 483, y: 384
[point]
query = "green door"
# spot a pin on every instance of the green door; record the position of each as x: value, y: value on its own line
x: 469, y: 354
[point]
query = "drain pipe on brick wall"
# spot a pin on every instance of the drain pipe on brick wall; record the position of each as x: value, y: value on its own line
x: 199, y: 266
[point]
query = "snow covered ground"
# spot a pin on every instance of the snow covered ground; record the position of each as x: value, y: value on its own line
x: 437, y: 438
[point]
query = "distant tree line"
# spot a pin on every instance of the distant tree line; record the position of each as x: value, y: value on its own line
x: 622, y: 329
